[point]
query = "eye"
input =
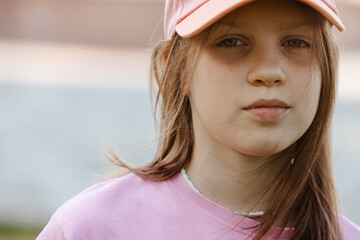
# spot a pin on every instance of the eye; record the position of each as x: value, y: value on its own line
x: 230, y: 43
x: 296, y: 43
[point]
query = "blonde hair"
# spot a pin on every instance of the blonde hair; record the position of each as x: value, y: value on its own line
x: 304, y: 194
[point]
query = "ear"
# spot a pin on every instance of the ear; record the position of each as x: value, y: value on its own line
x: 165, y: 53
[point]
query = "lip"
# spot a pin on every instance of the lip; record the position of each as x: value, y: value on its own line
x: 263, y: 103
x: 267, y: 110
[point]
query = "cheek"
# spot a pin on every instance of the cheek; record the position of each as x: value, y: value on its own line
x: 215, y: 95
x: 213, y: 85
x: 202, y: 90
x: 307, y: 94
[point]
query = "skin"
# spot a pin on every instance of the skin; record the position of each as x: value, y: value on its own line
x: 248, y: 58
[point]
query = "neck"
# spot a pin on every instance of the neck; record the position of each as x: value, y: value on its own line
x: 235, y: 181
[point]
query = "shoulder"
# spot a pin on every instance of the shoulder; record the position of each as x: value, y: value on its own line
x: 106, y: 196
x: 106, y: 206
x: 350, y: 229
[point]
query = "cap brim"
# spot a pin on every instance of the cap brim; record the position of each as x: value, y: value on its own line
x: 207, y: 14
x: 214, y: 10
x: 326, y: 11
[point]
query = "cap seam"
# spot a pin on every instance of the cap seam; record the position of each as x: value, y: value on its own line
x: 331, y: 7
x: 181, y: 11
x: 196, y: 8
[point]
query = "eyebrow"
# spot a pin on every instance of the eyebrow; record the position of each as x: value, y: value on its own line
x: 235, y: 24
x: 290, y: 26
x: 295, y: 25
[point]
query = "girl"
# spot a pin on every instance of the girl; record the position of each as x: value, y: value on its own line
x: 246, y: 92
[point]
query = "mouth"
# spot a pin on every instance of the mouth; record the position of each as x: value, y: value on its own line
x: 267, y: 110
x: 264, y: 103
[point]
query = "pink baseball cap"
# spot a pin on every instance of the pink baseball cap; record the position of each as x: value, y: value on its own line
x: 190, y: 17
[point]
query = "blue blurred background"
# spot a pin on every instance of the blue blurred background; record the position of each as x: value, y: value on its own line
x: 74, y: 77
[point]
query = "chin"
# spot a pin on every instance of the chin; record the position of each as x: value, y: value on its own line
x: 263, y: 152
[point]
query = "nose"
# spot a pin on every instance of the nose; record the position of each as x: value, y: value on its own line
x: 266, y: 71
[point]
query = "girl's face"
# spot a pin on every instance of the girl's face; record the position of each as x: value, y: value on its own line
x: 262, y: 51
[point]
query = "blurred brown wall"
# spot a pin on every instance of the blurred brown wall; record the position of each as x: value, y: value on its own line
x: 112, y: 22
x: 350, y: 15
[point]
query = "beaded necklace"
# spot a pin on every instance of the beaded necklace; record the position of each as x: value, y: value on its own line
x: 249, y: 214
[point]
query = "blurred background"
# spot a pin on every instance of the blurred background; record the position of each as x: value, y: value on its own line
x: 74, y: 77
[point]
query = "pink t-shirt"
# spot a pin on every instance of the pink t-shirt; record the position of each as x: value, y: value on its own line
x: 133, y: 208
